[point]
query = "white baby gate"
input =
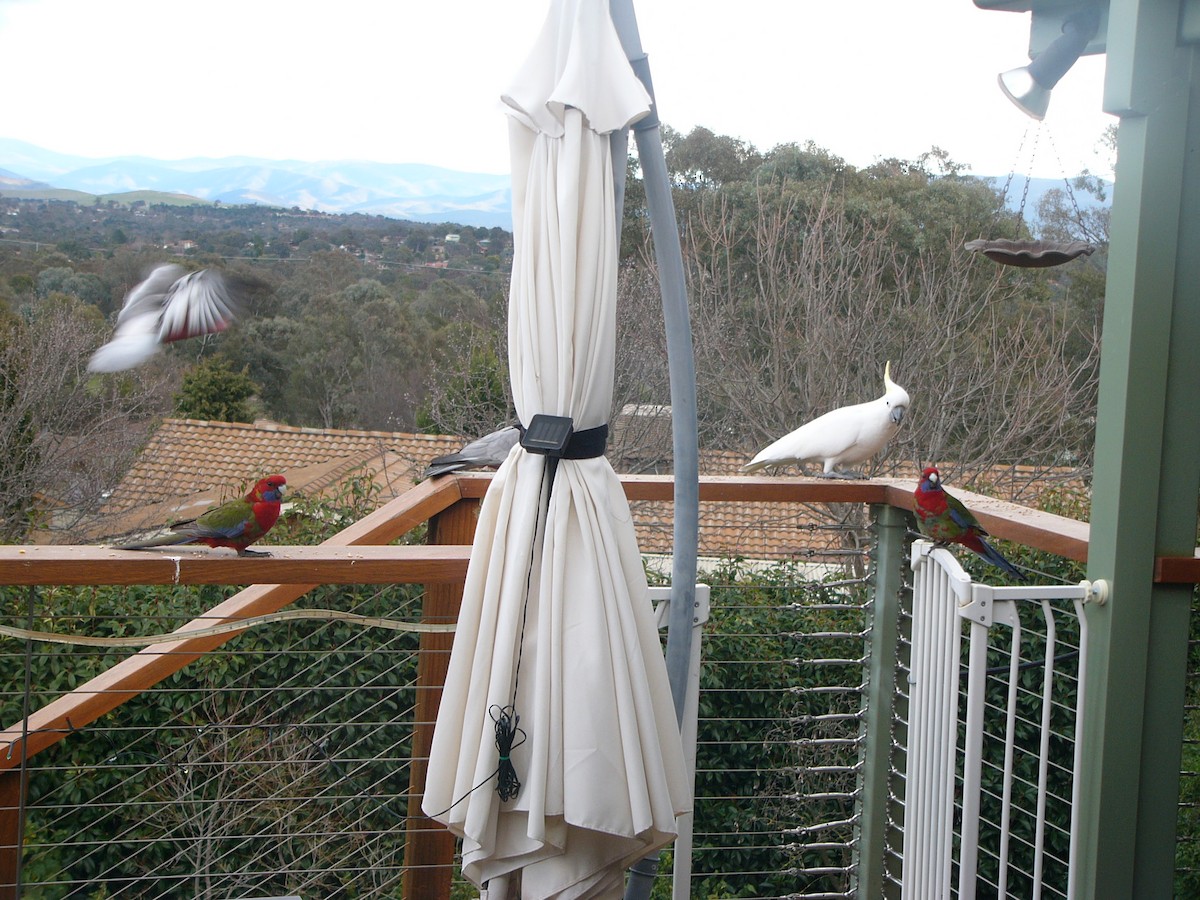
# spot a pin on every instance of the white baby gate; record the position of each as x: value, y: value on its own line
x: 1020, y: 723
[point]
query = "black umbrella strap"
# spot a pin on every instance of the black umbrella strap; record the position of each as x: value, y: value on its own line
x: 555, y: 437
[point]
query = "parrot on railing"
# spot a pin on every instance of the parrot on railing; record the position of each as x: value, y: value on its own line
x: 944, y: 520
x: 236, y: 523
x: 843, y: 436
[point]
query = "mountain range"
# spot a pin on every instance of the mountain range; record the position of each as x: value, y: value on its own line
x: 413, y: 191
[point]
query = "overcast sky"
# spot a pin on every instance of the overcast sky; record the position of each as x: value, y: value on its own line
x: 419, y: 80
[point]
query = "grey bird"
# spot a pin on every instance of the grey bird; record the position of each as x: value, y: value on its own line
x: 485, y: 453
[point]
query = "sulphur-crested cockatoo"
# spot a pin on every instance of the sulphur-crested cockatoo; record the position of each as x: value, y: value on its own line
x: 170, y: 305
x: 844, y: 436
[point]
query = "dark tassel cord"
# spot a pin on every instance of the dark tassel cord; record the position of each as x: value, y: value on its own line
x: 507, y: 783
x: 506, y: 719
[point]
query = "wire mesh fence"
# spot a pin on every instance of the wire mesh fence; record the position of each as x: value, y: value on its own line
x: 282, y: 763
x: 279, y: 764
x: 779, y: 735
x: 276, y: 764
x: 1187, y: 849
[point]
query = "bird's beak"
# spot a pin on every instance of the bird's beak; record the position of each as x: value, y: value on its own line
x: 897, y: 414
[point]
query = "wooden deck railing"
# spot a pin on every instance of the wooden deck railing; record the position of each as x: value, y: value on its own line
x: 361, y: 555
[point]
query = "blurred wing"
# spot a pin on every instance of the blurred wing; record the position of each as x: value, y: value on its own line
x: 147, y: 297
x: 198, y: 303
x: 135, y: 343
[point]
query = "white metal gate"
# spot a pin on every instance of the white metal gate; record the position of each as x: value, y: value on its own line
x: 1004, y: 730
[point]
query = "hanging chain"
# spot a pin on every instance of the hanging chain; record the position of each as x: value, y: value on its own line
x: 1070, y: 191
x: 1002, y: 205
x: 1028, y: 176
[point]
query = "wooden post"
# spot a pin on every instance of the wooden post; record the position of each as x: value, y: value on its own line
x: 11, y: 785
x: 428, y: 846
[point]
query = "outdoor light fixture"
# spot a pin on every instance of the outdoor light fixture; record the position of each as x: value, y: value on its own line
x: 1029, y: 86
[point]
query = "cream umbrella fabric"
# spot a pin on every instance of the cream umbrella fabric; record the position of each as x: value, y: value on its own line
x: 556, y: 620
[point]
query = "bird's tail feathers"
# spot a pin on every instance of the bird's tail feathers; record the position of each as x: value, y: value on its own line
x: 441, y: 466
x: 992, y: 555
x: 160, y: 540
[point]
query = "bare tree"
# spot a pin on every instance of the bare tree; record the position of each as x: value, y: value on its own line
x: 467, y: 391
x: 640, y: 437
x: 67, y: 436
x: 797, y: 304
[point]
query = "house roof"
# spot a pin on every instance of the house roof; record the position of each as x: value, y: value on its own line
x: 185, y: 456
x: 190, y: 465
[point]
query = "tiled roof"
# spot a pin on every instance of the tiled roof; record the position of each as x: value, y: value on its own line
x: 185, y: 457
x: 189, y: 465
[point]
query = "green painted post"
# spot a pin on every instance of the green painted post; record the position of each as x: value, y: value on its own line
x: 889, y: 562
x: 1147, y: 467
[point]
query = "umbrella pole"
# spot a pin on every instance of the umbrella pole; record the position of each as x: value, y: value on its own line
x: 681, y: 366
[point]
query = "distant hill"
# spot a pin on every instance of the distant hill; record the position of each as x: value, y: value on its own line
x: 13, y: 180
x: 412, y: 191
x: 83, y: 198
x: 417, y: 192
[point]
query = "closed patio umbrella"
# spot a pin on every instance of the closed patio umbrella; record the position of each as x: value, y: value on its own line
x: 556, y: 638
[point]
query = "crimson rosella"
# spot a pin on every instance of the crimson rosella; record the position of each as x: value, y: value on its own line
x: 844, y: 436
x: 236, y: 523
x: 169, y: 305
x: 945, y: 520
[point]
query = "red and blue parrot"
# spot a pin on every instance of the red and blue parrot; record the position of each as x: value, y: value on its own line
x: 943, y: 518
x: 236, y: 524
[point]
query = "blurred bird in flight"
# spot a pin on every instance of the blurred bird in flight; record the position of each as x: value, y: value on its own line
x: 170, y: 305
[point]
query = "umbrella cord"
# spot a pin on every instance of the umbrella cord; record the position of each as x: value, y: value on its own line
x: 506, y: 732
x: 506, y: 719
x: 508, y: 735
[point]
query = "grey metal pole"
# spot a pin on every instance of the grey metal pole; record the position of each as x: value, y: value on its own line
x: 681, y: 363
x: 682, y: 369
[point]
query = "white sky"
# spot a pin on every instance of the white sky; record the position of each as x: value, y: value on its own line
x: 418, y: 80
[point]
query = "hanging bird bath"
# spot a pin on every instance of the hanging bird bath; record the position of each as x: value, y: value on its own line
x: 1030, y: 254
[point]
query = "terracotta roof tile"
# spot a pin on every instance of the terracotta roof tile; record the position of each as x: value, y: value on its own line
x: 185, y: 456
x: 189, y: 465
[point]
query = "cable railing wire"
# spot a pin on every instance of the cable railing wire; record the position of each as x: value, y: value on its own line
x: 301, y: 737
